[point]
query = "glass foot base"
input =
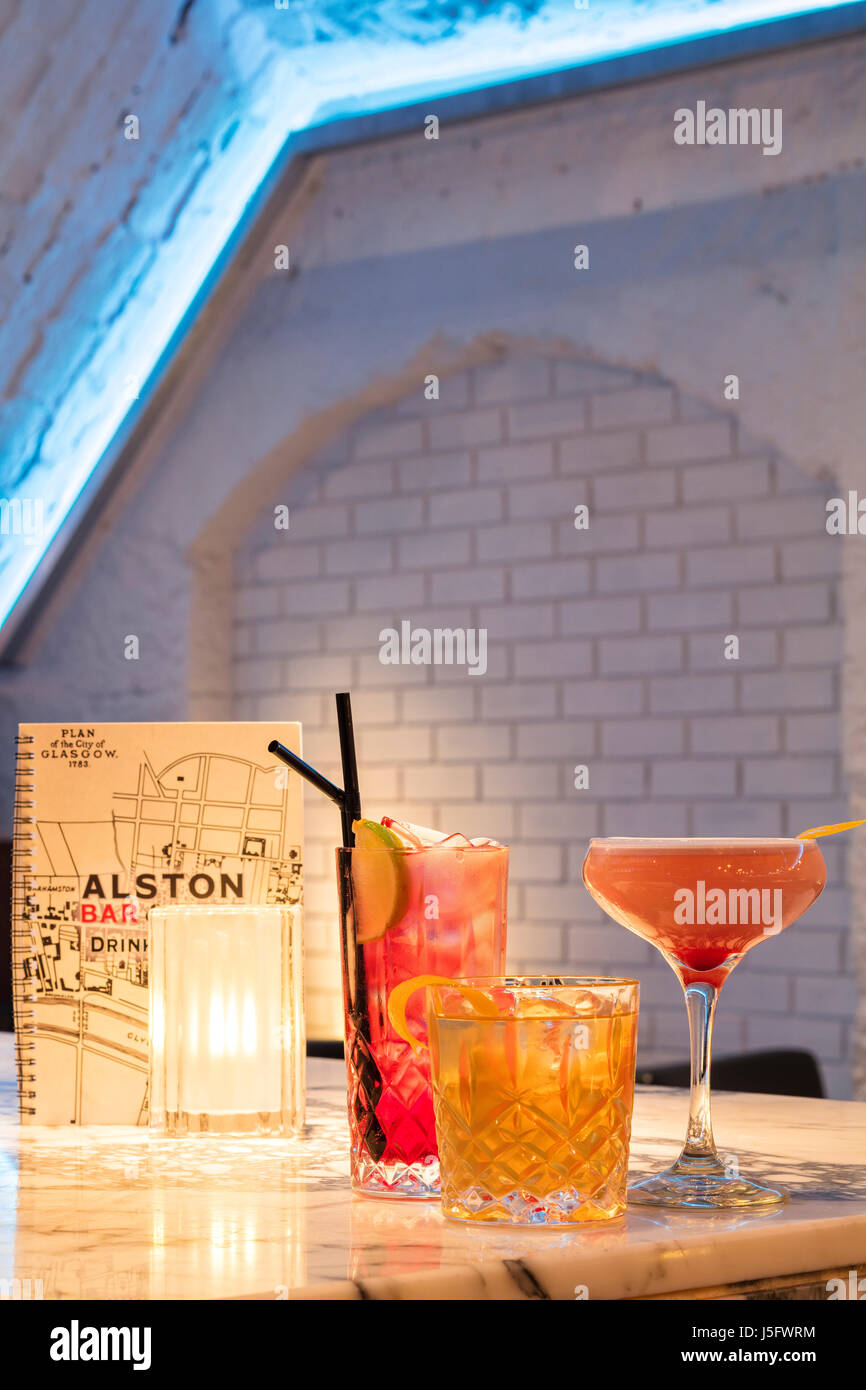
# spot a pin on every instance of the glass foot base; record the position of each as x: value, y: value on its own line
x: 707, y: 1191
x: 417, y: 1182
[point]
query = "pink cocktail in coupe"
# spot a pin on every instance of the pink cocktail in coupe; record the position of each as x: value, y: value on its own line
x: 704, y: 904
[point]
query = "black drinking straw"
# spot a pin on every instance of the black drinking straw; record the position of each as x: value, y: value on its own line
x: 348, y: 799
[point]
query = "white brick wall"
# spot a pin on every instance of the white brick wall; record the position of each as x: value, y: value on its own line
x: 606, y: 647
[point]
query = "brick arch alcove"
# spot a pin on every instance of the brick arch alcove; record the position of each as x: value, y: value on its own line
x: 605, y: 648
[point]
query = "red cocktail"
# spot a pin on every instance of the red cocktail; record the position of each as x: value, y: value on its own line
x: 428, y: 909
x: 703, y: 904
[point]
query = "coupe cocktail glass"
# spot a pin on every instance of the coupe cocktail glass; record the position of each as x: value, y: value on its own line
x: 449, y: 920
x: 703, y: 904
x: 533, y: 1082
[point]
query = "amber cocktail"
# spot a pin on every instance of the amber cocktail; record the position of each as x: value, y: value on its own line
x: 533, y: 1083
x: 704, y: 904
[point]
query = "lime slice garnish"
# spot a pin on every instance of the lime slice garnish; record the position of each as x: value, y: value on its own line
x: 379, y: 879
x: 401, y: 994
x: 817, y: 831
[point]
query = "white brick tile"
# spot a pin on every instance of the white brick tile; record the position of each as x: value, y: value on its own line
x: 399, y: 744
x: 371, y: 707
x: 692, y: 694
x: 435, y: 550
x: 683, y: 611
x: 388, y: 514
x: 515, y: 461
x: 547, y: 660
x: 536, y: 863
x: 361, y: 480
x: 309, y: 709
x: 495, y: 819
x: 785, y: 603
x: 784, y: 517
x: 467, y: 742
x: 614, y: 780
x: 570, y: 740
x: 827, y: 997
x: 286, y: 636
x: 707, y: 439
x: 465, y: 506
x: 528, y: 699
x: 390, y: 438
x: 465, y: 429
x: 645, y: 818
x: 474, y: 584
x: 740, y: 733
x: 518, y: 379
x: 454, y: 781
x: 800, y: 951
x: 738, y: 818
x: 730, y: 564
x: 636, y: 490
x: 515, y: 540
x: 434, y: 471
x: 598, y: 453
x: 604, y: 534
x: 507, y: 621
x: 453, y: 395
x: 288, y: 561
x: 642, y: 405
x: 578, y: 378
x: 625, y: 656
x: 257, y: 676
x: 590, y: 699
x: 782, y: 690
x: 550, y: 902
x: 813, y: 645
x: 609, y: 948
x: 722, y: 482
x: 522, y: 781
x: 644, y: 737
x: 790, y: 479
x: 813, y: 733
x: 585, y: 617
x: 380, y: 675
x: 389, y: 592
x: 257, y: 603
x: 555, y: 499
x: 565, y: 820
x: 438, y: 706
x: 815, y: 559
x: 534, y: 943
x: 567, y: 415
x: 694, y: 778
x: 758, y: 650
x: 332, y: 672
x: 686, y: 527
x: 358, y: 556
x: 315, y: 523
x: 626, y: 573
x: 801, y: 775
x: 562, y: 578
x: 833, y: 908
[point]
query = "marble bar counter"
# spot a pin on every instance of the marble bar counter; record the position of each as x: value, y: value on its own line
x: 120, y: 1213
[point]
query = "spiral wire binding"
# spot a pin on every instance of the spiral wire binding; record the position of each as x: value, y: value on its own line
x: 24, y: 919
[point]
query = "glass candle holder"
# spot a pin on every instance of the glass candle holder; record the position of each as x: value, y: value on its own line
x: 227, y: 1045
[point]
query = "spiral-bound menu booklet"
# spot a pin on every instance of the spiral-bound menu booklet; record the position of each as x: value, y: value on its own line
x: 111, y: 820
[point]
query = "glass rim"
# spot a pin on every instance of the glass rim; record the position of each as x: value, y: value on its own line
x: 703, y: 841
x: 594, y: 982
x: 422, y: 849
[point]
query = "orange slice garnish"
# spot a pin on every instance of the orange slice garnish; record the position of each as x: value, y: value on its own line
x: 399, y: 998
x: 817, y: 831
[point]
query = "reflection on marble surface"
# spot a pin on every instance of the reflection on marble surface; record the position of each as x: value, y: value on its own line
x: 121, y: 1213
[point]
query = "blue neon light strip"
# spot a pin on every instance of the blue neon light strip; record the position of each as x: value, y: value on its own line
x: 479, y: 52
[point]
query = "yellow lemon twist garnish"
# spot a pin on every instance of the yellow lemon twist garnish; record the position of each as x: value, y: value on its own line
x: 820, y: 830
x: 399, y: 998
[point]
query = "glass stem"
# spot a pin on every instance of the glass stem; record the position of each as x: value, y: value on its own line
x: 699, y: 1149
